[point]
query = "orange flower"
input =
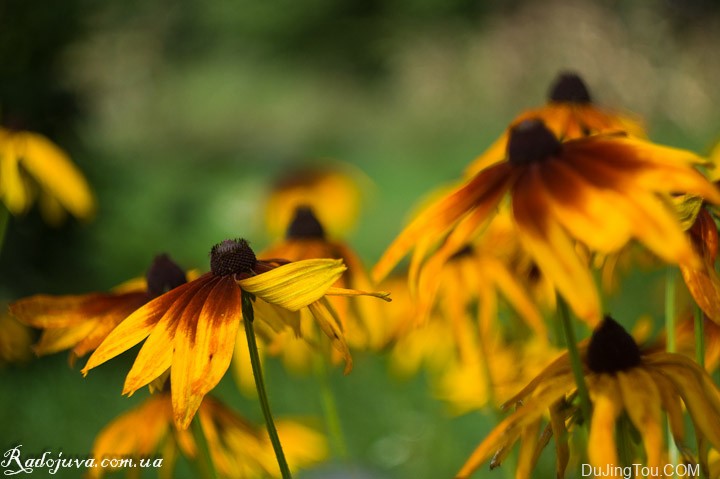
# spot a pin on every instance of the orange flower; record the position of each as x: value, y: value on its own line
x: 82, y: 322
x: 599, y: 191
x: 193, y: 327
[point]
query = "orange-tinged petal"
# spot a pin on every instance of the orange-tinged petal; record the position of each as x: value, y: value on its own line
x: 443, y: 214
x: 204, y: 345
x: 54, y: 340
x: 672, y: 405
x: 297, y: 284
x: 560, y: 433
x: 552, y: 249
x: 529, y: 440
x: 140, y: 324
x: 54, y: 171
x: 549, y: 392
x: 642, y: 403
x: 584, y: 210
x: 607, y: 406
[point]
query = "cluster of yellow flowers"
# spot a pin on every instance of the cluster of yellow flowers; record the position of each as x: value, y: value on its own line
x: 497, y: 265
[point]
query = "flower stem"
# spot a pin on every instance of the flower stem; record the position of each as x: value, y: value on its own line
x: 205, y: 462
x: 575, y: 361
x: 670, y: 276
x: 329, y: 406
x: 4, y: 220
x: 699, y: 337
x: 248, y: 319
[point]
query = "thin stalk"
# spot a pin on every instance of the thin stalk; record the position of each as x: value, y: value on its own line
x: 699, y: 337
x: 329, y: 406
x: 671, y: 346
x: 4, y: 220
x: 248, y: 319
x: 575, y: 361
x: 205, y: 462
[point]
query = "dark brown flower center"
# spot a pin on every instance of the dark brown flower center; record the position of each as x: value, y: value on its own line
x: 569, y: 88
x: 163, y: 275
x: 232, y: 257
x: 612, y: 349
x: 305, y: 225
x: 531, y: 141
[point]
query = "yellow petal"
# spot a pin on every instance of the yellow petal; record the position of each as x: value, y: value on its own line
x: 607, y: 406
x: 552, y: 249
x: 56, y: 173
x: 295, y: 285
x: 14, y: 189
x: 529, y: 441
x: 328, y: 321
x: 204, y: 344
x: 334, y: 291
x: 642, y: 403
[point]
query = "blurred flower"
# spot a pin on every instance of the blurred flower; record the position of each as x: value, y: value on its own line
x: 597, y: 192
x: 82, y: 322
x: 194, y: 326
x: 685, y: 340
x: 334, y: 192
x: 15, y: 340
x: 622, y: 380
x: 239, y: 450
x: 32, y: 167
x: 570, y: 113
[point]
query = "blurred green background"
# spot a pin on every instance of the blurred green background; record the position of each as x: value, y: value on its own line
x: 181, y: 113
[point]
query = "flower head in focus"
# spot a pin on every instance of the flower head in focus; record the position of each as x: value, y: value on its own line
x: 239, y: 449
x: 596, y: 192
x: 34, y: 168
x: 192, y: 329
x: 570, y: 113
x: 82, y: 322
x: 625, y: 383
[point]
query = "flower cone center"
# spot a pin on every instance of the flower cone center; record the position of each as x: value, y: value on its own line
x: 305, y: 225
x: 612, y: 349
x: 530, y: 142
x: 163, y: 275
x: 569, y: 88
x: 232, y: 257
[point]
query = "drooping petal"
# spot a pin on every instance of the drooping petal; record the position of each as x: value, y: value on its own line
x: 673, y: 406
x: 328, y: 321
x: 56, y: 173
x: 607, y: 406
x: 552, y: 249
x: 204, y: 345
x: 440, y: 216
x: 295, y: 285
x: 642, y: 402
x: 140, y: 324
x: 529, y: 440
x: 14, y: 189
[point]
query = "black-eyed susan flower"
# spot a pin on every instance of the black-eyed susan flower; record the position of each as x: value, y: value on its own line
x: 34, y: 168
x: 192, y: 329
x: 569, y: 113
x: 334, y: 192
x: 625, y: 383
x: 596, y: 192
x: 82, y: 322
x: 238, y: 448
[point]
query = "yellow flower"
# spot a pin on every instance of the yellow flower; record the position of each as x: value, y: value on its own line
x: 15, y: 340
x: 570, y: 113
x: 334, y: 192
x: 597, y: 192
x: 82, y: 322
x: 238, y: 449
x: 193, y: 327
x: 32, y: 167
x: 622, y: 380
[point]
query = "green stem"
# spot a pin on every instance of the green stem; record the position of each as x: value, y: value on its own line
x: 699, y: 337
x: 248, y: 319
x: 671, y: 346
x: 575, y: 360
x: 329, y: 406
x: 205, y: 462
x: 4, y: 220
